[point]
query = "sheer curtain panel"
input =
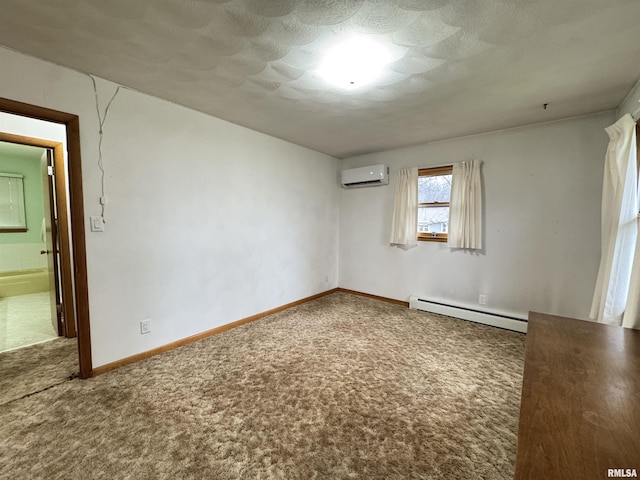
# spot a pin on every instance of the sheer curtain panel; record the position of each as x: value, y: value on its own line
x: 404, y: 226
x: 465, y: 206
x: 615, y: 300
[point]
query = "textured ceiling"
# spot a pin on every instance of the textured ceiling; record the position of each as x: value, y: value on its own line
x: 458, y: 66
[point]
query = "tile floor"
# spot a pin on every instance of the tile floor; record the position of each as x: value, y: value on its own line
x: 25, y: 320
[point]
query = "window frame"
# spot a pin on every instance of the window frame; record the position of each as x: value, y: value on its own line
x: 433, y: 172
x: 18, y: 221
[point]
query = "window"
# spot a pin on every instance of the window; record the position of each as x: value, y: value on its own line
x: 12, y: 216
x: 434, y: 191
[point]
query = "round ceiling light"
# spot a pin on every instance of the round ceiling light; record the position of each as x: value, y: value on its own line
x: 354, y: 63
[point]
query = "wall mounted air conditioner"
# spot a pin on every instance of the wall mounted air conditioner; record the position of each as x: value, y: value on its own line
x: 365, y: 176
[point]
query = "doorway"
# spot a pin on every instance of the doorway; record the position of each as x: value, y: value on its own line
x: 67, y: 191
x: 27, y: 302
x: 35, y: 272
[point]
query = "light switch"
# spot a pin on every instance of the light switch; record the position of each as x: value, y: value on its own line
x: 97, y: 224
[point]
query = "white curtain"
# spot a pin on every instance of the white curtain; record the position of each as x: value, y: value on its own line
x: 404, y: 227
x: 465, y: 206
x: 616, y: 296
x: 631, y: 317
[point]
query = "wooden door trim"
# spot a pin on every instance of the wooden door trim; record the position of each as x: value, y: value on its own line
x: 55, y: 247
x: 72, y: 174
x: 64, y: 244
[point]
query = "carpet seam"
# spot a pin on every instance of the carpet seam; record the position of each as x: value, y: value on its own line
x: 27, y: 395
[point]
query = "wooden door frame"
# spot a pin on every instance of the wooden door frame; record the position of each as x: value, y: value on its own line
x: 55, y: 249
x: 71, y: 173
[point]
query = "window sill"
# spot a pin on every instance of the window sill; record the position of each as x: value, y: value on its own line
x: 432, y: 239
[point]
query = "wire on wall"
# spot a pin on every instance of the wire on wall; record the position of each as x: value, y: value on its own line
x: 102, y: 118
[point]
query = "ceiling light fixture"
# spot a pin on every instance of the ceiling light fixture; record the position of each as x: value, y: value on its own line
x: 354, y: 63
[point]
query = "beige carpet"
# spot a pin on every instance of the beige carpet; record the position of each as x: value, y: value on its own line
x: 342, y: 387
x: 36, y: 367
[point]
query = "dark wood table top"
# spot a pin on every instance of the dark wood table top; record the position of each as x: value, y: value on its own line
x: 580, y: 410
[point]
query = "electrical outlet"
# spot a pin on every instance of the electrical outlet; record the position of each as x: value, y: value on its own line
x: 482, y: 299
x: 145, y: 327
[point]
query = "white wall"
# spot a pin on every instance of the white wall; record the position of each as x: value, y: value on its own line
x: 543, y: 189
x: 207, y: 222
x: 30, y: 127
x: 631, y: 103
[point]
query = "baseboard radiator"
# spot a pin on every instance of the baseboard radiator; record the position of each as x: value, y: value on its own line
x: 508, y: 322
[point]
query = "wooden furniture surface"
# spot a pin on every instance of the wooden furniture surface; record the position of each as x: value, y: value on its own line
x: 580, y: 410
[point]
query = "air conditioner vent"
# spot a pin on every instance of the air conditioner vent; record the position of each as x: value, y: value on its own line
x: 365, y: 176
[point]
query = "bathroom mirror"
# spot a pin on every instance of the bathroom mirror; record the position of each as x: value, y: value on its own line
x: 12, y: 217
